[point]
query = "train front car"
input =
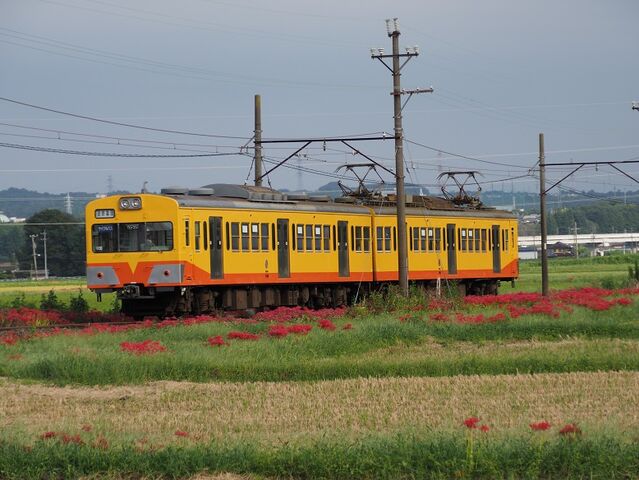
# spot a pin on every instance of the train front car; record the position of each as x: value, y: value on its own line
x: 132, y: 250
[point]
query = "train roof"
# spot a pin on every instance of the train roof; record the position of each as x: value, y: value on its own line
x: 264, y: 198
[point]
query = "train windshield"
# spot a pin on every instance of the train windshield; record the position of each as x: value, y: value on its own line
x: 132, y: 237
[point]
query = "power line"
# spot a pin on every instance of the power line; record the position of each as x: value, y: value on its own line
x: 490, y: 162
x: 121, y: 124
x: 107, y: 154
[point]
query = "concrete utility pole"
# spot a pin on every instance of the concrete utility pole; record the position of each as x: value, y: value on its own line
x: 575, y: 229
x: 35, y: 255
x: 392, y: 28
x: 46, y: 268
x: 258, y: 141
x: 542, y: 208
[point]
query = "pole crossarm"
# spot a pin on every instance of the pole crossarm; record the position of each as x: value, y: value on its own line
x: 624, y: 173
x: 611, y: 162
x: 308, y: 141
x: 368, y: 158
x: 557, y: 183
x: 327, y: 140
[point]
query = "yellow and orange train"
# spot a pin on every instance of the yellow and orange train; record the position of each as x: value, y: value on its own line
x: 240, y: 247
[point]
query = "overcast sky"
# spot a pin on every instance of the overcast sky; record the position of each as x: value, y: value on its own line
x: 502, y: 71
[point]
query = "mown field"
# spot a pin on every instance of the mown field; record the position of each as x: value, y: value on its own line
x: 508, y: 387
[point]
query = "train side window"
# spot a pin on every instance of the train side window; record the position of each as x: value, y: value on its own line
x: 327, y: 238
x: 206, y: 236
x: 245, y: 237
x: 471, y: 240
x: 422, y: 239
x: 187, y: 233
x: 352, y: 238
x: 228, y: 237
x: 415, y: 231
x: 318, y: 238
x: 464, y: 243
x: 379, y: 237
x: 294, y: 239
x: 334, y: 239
x: 483, y: 239
x: 197, y: 236
x: 410, y: 238
x: 477, y: 239
x: 431, y: 239
x: 264, y: 237
x: 387, y: 239
x: 255, y: 237
x: 300, y: 238
x: 505, y: 240
x: 358, y: 238
x: 309, y: 238
x: 235, y: 236
x: 367, y: 239
x: 273, y: 237
x: 459, y: 238
x: 438, y: 239
x: 394, y: 239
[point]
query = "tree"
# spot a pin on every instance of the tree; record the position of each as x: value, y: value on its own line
x: 11, y: 242
x: 66, y: 251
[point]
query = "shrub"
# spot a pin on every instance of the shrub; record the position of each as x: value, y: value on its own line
x: 51, y: 302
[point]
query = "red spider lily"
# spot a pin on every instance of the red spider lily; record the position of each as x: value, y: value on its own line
x: 100, y: 443
x: 347, y: 326
x: 471, y: 422
x: 570, y: 429
x: 142, y: 348
x: 9, y: 338
x: 286, y: 314
x: 48, y: 435
x: 300, y: 329
x: 484, y: 428
x: 405, y: 317
x: 540, y: 426
x: 438, y: 317
x: 181, y: 433
x: 242, y: 336
x: 86, y: 428
x: 278, y: 331
x: 326, y: 324
x: 216, y: 341
x: 67, y: 438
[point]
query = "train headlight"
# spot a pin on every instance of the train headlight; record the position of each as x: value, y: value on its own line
x: 130, y: 203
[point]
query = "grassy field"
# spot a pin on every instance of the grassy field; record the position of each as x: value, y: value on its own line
x: 380, y: 395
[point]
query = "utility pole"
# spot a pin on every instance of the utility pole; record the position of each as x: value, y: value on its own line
x: 392, y: 28
x: 46, y: 268
x: 68, y: 204
x: 574, y: 230
x: 35, y: 255
x: 542, y: 208
x: 258, y: 141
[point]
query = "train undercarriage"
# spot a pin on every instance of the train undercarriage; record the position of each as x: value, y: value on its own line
x: 139, y: 301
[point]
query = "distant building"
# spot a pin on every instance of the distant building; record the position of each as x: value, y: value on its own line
x: 4, y: 218
x: 560, y: 249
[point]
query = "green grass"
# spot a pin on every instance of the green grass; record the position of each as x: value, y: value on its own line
x: 376, y: 346
x: 406, y: 455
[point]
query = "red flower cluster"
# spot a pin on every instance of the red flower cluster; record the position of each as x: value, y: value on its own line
x: 327, y: 325
x: 63, y: 437
x: 286, y: 314
x: 29, y: 316
x: 471, y: 422
x: 570, y: 429
x: 242, y: 336
x: 540, y: 426
x: 181, y: 433
x: 142, y: 348
x: 216, y: 341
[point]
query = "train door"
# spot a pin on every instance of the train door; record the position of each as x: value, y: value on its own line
x: 215, y: 247
x: 283, y: 265
x: 496, y: 249
x: 342, y: 249
x: 451, y: 246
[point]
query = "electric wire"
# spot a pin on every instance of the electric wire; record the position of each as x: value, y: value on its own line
x: 120, y: 124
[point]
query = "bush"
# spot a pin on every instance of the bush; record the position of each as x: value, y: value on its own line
x: 51, y: 302
x: 78, y: 304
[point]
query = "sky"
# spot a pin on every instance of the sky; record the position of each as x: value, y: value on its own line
x: 502, y: 72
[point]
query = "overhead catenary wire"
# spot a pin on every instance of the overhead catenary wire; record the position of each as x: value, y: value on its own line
x: 109, y: 154
x: 120, y: 124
